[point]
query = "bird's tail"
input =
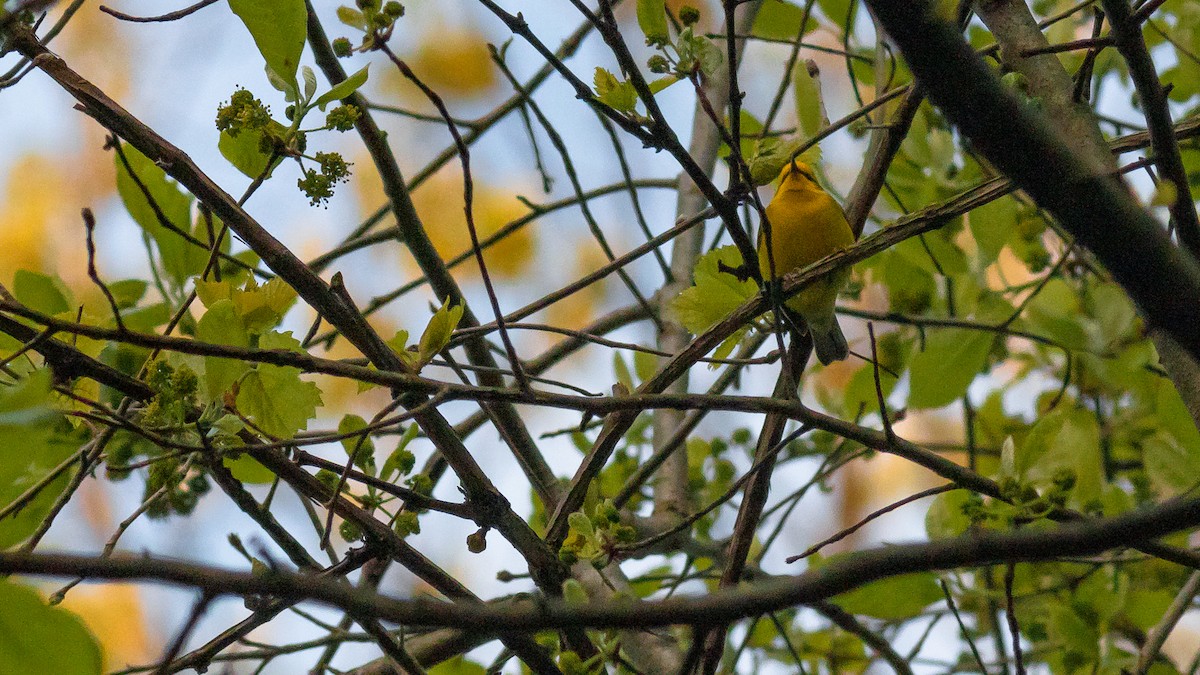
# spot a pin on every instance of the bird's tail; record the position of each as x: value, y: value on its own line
x: 828, y: 341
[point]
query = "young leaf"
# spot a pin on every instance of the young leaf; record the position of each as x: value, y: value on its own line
x: 437, y: 333
x: 244, y: 152
x: 652, y: 19
x: 222, y: 325
x: 613, y: 92
x: 344, y: 88
x: 714, y: 294
x: 809, y: 109
x: 352, y: 17
x: 279, y: 28
x: 277, y: 400
x: 310, y: 82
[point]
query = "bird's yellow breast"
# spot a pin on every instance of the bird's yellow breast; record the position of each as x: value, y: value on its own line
x: 806, y: 224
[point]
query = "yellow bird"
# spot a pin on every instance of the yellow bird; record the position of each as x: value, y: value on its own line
x: 807, y: 225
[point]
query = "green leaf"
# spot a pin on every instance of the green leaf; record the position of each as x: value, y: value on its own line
x: 247, y: 469
x: 352, y: 17
x: 36, y: 638
x: 439, y: 330
x: 574, y: 594
x: 458, y: 665
x: 807, y: 91
x: 279, y: 28
x: 128, y: 292
x: 277, y: 400
x: 714, y: 294
x: 991, y: 225
x: 1072, y: 633
x: 47, y: 294
x: 27, y: 421
x: 652, y: 19
x: 943, y: 371
x: 262, y: 307
x: 1056, y: 313
x: 891, y: 599
x: 1173, y: 468
x: 221, y: 325
x: 343, y: 89
x: 1067, y: 440
x: 779, y: 20
x: 662, y: 83
x: 361, y: 447
x: 310, y: 82
x: 245, y: 154
x: 945, y: 517
x: 614, y: 93
x: 181, y: 259
x: 621, y: 369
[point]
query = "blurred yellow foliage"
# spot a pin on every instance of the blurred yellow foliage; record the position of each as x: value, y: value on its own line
x: 113, y: 612
x: 439, y: 201
x: 33, y: 214
x: 579, y: 309
x: 452, y: 60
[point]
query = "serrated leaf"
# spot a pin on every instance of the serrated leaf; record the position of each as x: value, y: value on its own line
x: 360, y: 447
x: 661, y: 83
x: 40, y: 639
x: 344, y: 88
x: 614, y: 93
x: 279, y: 28
x: 222, y: 325
x: 652, y: 19
x: 263, y: 307
x: 708, y: 55
x: 714, y: 294
x: 950, y: 362
x: 277, y: 400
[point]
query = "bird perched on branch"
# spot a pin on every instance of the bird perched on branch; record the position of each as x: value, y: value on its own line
x: 805, y: 224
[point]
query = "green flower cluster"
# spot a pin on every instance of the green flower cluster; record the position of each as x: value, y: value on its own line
x: 318, y: 184
x: 343, y: 117
x: 243, y: 112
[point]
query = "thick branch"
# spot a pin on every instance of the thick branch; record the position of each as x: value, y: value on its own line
x: 984, y: 548
x: 1094, y: 208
